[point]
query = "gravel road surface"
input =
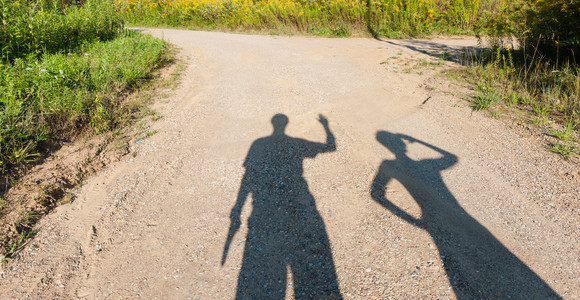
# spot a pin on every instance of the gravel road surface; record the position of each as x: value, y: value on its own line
x: 315, y: 168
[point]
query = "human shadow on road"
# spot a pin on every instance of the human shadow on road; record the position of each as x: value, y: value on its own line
x: 477, y: 264
x: 285, y: 231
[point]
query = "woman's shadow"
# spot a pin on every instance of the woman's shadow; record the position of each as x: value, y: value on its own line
x: 476, y: 263
x: 285, y: 231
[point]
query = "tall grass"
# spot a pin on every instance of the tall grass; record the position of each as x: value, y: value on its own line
x: 61, y: 93
x: 62, y: 71
x: 548, y: 93
x: 541, y: 76
x: 30, y: 29
x: 396, y: 18
x: 331, y: 17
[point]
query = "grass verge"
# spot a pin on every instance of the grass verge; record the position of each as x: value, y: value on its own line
x: 544, y: 94
x: 65, y: 72
x: 63, y: 97
x: 61, y: 94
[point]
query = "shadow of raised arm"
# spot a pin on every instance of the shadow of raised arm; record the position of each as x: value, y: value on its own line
x: 330, y: 144
x: 378, y: 193
x: 448, y: 159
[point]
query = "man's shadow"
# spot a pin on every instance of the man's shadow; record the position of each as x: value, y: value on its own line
x: 477, y: 264
x: 285, y: 231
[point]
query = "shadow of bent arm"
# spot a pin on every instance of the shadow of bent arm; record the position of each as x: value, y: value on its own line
x: 449, y: 159
x: 378, y: 193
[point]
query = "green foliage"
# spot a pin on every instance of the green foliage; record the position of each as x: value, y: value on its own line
x: 544, y: 28
x: 550, y: 93
x: 486, y: 97
x: 564, y: 148
x: 13, y: 246
x: 392, y: 18
x: 564, y: 133
x: 554, y: 26
x: 29, y: 29
x: 63, y: 70
x: 59, y: 94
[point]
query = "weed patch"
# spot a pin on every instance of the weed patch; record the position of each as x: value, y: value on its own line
x: 31, y: 29
x: 485, y: 97
x: 565, y: 149
x: 546, y: 92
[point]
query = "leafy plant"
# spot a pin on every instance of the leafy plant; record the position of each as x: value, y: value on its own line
x: 486, y: 97
x: 59, y: 94
x: 564, y: 148
x: 15, y: 245
x: 552, y: 28
x: 564, y: 133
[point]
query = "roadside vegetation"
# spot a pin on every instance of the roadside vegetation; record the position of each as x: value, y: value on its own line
x: 65, y: 70
x: 390, y: 18
x: 542, y: 93
x: 533, y: 65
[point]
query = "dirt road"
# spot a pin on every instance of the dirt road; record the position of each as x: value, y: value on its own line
x: 314, y: 168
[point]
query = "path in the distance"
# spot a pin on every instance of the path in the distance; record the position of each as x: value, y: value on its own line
x: 312, y: 168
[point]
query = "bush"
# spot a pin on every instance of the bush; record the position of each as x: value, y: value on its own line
x: 554, y: 26
x: 548, y: 29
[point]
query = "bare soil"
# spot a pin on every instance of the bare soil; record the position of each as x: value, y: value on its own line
x: 296, y: 167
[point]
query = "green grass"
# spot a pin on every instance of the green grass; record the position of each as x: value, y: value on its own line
x: 565, y: 133
x: 65, y: 71
x: 15, y: 244
x: 565, y: 149
x: 485, y: 98
x: 542, y: 76
x: 31, y: 29
x: 61, y: 94
x: 546, y: 92
x: 62, y: 70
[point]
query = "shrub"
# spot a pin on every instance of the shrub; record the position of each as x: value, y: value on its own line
x: 545, y: 28
x: 554, y: 26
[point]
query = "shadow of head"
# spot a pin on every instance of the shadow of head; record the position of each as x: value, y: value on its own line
x: 279, y: 121
x: 393, y: 142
